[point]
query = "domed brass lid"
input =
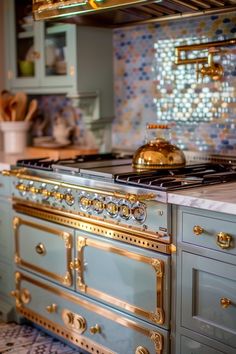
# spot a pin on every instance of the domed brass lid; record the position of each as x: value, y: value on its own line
x: 158, y: 153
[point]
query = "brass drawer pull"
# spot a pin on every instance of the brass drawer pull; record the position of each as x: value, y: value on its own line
x: 223, y: 240
x: 95, y: 329
x: 198, y: 230
x: 225, y: 302
x: 51, y: 308
x: 141, y: 350
x: 40, y: 249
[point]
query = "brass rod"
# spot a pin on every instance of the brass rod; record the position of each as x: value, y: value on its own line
x: 207, y: 45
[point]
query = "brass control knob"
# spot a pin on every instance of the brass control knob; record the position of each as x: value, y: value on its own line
x: 95, y: 329
x: 125, y: 211
x: 34, y: 190
x: 22, y: 188
x: 85, y: 202
x: 58, y: 195
x: 141, y: 350
x: 45, y: 193
x: 51, y: 308
x: 225, y: 302
x: 69, y: 199
x: 98, y: 206
x: 198, y: 230
x: 112, y: 208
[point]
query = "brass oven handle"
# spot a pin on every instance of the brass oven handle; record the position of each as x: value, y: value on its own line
x: 225, y: 302
x: 95, y: 329
x: 198, y: 230
x: 40, y: 249
x: 223, y: 240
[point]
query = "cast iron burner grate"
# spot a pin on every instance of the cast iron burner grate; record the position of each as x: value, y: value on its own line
x: 180, y: 178
x: 45, y: 163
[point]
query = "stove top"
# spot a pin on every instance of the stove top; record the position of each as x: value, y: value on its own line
x: 118, y: 169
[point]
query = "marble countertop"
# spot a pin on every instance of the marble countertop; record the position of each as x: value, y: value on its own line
x: 219, y: 197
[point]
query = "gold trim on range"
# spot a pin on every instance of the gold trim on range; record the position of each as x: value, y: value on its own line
x: 65, y: 236
x: 156, y: 337
x: 102, y: 228
x: 158, y: 266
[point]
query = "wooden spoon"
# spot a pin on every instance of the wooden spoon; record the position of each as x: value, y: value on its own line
x: 21, y: 99
x: 32, y: 109
x: 13, y: 107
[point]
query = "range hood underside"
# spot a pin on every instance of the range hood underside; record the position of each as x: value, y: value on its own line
x: 165, y: 10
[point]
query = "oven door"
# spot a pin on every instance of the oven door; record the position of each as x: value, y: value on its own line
x: 44, y: 248
x: 130, y: 278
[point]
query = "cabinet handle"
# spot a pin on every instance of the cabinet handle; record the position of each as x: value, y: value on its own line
x: 225, y: 302
x: 141, y: 350
x: 51, y: 308
x: 40, y: 249
x: 95, y: 329
x: 223, y: 240
x: 198, y: 230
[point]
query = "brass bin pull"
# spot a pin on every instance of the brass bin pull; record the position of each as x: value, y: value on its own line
x: 225, y: 302
x: 198, y: 230
x: 95, y: 329
x: 40, y: 249
x: 223, y: 240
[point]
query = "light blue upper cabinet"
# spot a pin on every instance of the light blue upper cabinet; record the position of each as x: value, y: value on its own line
x: 41, y: 56
x: 48, y: 57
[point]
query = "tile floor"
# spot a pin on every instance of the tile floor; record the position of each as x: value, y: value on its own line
x: 25, y: 339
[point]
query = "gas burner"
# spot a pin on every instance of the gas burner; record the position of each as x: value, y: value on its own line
x: 118, y: 168
x: 180, y: 178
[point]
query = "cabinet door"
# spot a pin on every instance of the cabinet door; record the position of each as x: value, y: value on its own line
x: 86, y: 323
x: 40, y: 55
x: 127, y: 277
x: 57, y: 56
x: 44, y: 248
x: 209, y: 298
x: 21, y: 44
x: 190, y: 346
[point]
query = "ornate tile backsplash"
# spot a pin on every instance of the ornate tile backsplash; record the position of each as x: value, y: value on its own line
x: 149, y: 87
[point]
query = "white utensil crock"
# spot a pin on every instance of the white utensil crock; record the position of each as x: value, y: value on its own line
x: 14, y: 136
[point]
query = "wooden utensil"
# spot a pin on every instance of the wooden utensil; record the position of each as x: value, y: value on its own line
x: 5, y: 99
x: 13, y: 107
x: 21, y: 99
x: 32, y: 110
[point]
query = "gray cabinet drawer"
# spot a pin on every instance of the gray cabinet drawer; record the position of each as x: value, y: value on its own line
x: 190, y: 346
x: 216, y: 231
x: 127, y: 277
x: 86, y: 323
x: 44, y: 248
x: 209, y: 298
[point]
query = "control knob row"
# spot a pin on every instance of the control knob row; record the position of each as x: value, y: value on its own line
x: 68, y: 197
